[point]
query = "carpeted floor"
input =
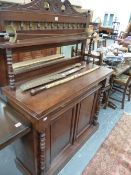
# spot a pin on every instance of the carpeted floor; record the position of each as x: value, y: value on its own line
x: 114, y: 156
x: 107, y: 119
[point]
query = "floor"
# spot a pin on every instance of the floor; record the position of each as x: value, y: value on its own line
x: 107, y: 120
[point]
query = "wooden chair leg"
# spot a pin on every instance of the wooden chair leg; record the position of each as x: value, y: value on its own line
x: 123, y: 99
x: 129, y: 95
x: 107, y: 98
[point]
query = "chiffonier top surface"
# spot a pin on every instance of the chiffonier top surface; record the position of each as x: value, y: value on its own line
x: 49, y: 100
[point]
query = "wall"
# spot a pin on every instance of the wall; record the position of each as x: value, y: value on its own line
x: 121, y: 8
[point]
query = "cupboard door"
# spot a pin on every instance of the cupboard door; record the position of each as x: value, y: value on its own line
x: 61, y: 133
x: 85, y: 112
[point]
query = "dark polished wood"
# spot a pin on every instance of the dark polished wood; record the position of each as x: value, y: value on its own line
x: 38, y: 29
x: 50, y: 110
x: 105, y: 30
x: 55, y: 98
x: 63, y: 117
x: 12, y: 126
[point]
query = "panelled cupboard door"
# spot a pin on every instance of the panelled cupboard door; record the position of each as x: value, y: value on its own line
x: 60, y: 132
x: 66, y: 126
x: 85, y: 113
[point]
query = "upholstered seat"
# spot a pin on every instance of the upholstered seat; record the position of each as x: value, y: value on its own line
x: 129, y: 72
x: 122, y: 79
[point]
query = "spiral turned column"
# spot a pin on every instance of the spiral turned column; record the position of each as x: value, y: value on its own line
x: 90, y: 46
x: 42, y: 153
x: 11, y: 75
x: 99, y: 102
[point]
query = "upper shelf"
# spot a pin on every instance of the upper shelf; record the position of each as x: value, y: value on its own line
x: 56, y: 39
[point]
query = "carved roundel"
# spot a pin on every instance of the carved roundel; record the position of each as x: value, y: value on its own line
x: 46, y: 5
x: 63, y: 8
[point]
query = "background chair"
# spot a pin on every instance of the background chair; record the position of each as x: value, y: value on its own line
x: 94, y: 57
x: 122, y: 84
x: 101, y: 43
x: 97, y: 58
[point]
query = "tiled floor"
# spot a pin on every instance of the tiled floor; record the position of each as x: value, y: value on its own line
x: 107, y: 120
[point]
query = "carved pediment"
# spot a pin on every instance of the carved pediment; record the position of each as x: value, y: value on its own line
x: 47, y: 6
x: 6, y: 5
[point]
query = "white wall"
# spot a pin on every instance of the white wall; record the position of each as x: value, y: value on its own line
x: 121, y: 8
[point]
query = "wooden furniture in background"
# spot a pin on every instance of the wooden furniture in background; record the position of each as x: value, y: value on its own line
x: 106, y: 30
x: 94, y: 57
x: 121, y: 83
x: 63, y: 117
x: 101, y: 42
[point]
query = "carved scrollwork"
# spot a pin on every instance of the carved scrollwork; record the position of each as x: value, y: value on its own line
x: 56, y: 6
x: 63, y: 8
x: 53, y: 6
x: 46, y: 5
x: 5, y: 5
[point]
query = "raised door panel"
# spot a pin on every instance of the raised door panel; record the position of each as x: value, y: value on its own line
x: 61, y: 131
x: 85, y: 113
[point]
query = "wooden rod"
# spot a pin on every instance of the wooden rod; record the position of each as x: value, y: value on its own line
x: 50, y: 85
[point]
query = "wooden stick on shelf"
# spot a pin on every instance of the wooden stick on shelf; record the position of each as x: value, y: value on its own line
x: 50, y: 85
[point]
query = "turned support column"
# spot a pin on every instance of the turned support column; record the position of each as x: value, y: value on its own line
x: 42, y: 153
x: 99, y: 101
x: 11, y: 75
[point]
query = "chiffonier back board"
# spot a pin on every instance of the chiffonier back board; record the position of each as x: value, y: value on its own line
x: 52, y: 102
